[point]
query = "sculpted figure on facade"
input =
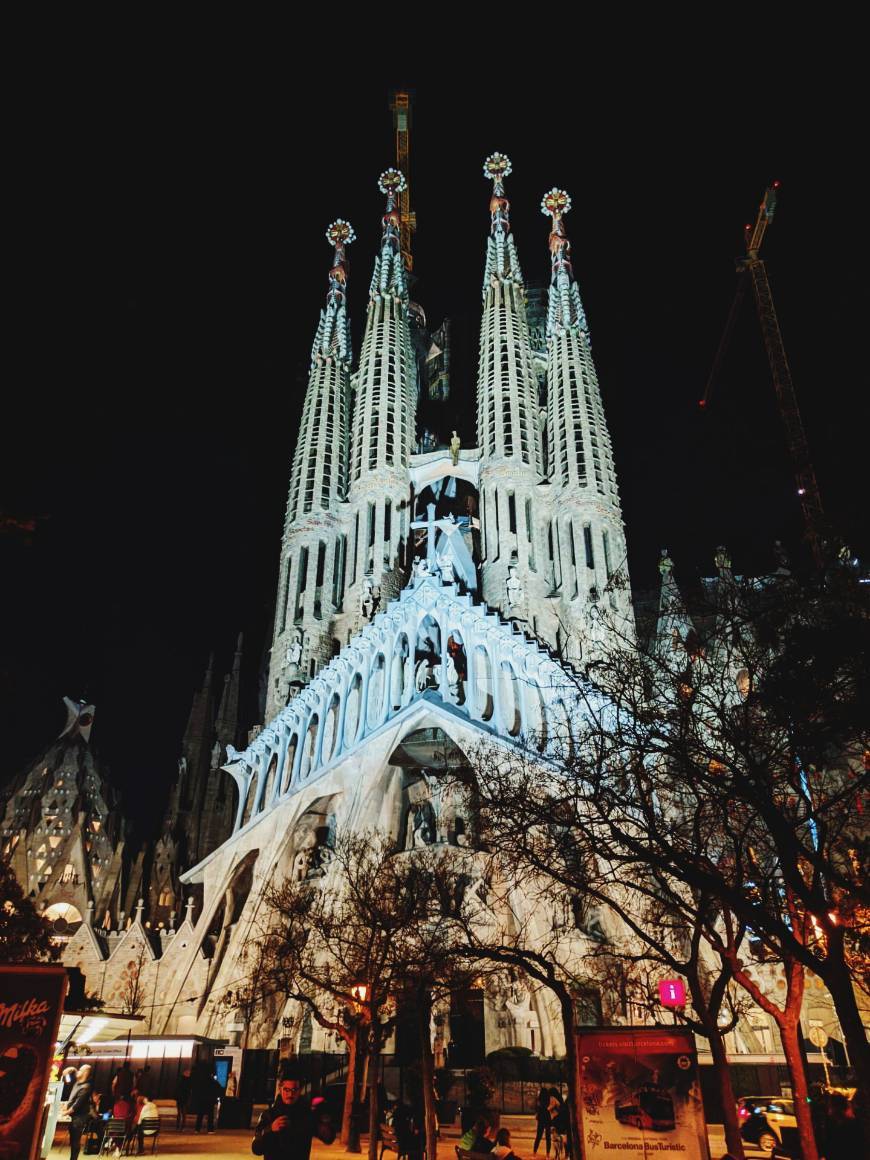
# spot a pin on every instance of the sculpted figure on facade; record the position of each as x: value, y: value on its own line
x: 514, y: 587
x: 294, y: 652
x: 369, y: 598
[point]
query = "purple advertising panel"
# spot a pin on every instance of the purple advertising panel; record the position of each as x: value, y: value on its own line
x: 31, y: 998
x: 640, y: 1094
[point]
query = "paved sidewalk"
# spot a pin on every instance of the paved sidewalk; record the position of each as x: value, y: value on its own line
x: 236, y: 1142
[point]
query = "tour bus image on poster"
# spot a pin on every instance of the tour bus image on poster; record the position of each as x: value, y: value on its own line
x: 640, y: 1094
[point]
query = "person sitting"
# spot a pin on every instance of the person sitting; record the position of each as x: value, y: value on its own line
x: 478, y: 1128
x: 485, y: 1141
x: 502, y: 1148
x: 147, y: 1110
x: 124, y: 1108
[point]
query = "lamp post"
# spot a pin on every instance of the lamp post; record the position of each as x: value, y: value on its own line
x: 360, y: 993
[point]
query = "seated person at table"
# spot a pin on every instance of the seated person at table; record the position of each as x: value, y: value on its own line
x: 502, y: 1147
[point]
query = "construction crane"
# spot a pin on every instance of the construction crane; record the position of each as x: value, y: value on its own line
x: 752, y: 268
x: 400, y: 106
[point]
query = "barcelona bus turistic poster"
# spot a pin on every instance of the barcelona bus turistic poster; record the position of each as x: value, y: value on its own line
x: 31, y: 998
x: 640, y: 1094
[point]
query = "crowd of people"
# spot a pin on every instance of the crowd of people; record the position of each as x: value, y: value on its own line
x: 129, y: 1099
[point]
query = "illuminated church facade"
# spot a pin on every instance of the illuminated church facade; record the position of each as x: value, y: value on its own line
x: 428, y: 598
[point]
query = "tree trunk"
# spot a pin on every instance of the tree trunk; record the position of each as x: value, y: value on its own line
x: 566, y: 1004
x: 427, y: 1077
x: 733, y: 1139
x: 837, y: 979
x: 788, y: 1033
x: 374, y: 1060
x: 349, y: 1136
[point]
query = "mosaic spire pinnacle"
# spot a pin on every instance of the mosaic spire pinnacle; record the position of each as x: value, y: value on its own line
x: 565, y: 309
x: 389, y: 272
x: 501, y: 255
x: 332, y: 338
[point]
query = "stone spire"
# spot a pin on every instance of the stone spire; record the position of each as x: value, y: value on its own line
x: 388, y: 276
x: 674, y: 628
x: 226, y: 724
x: 310, y: 582
x: 62, y: 829
x: 589, y: 568
x: 507, y: 417
x: 501, y: 251
x: 318, y: 477
x: 383, y: 422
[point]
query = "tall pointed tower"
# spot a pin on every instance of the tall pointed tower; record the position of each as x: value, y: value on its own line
x: 383, y: 423
x: 311, y: 576
x: 586, y: 541
x: 508, y: 434
x: 62, y: 829
x: 220, y: 797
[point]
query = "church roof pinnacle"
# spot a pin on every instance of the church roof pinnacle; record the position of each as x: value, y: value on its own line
x: 388, y: 276
x: 332, y: 339
x: 565, y: 308
x: 502, y: 261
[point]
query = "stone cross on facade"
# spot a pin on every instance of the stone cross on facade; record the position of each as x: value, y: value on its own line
x: 429, y: 524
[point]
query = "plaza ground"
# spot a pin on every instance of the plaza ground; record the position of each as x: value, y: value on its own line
x: 236, y: 1142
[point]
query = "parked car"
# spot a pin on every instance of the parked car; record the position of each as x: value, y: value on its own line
x: 762, y: 1119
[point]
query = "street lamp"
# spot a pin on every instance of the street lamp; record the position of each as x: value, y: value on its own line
x: 360, y: 993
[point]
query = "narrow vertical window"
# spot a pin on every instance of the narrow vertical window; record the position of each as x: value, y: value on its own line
x: 512, y: 513
x: 336, y: 573
x: 529, y: 536
x: 300, y: 584
x: 605, y: 542
x: 587, y: 545
x: 355, y: 548
x: 286, y: 606
x: 388, y: 520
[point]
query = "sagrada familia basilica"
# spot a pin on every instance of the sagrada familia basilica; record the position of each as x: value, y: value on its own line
x: 428, y: 597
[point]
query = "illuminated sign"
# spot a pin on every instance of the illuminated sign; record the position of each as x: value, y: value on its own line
x: 672, y: 993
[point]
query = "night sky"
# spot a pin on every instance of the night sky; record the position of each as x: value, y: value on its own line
x: 173, y: 265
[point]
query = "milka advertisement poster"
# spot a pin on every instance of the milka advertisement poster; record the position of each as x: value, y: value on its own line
x: 31, y: 998
x: 640, y: 1094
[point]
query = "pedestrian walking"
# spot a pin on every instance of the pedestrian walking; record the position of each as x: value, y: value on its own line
x: 285, y: 1130
x: 544, y: 1123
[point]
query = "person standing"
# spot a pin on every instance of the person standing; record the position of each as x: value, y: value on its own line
x: 78, y: 1108
x: 544, y: 1123
x: 285, y: 1130
x: 182, y: 1099
x: 204, y: 1091
x: 122, y: 1080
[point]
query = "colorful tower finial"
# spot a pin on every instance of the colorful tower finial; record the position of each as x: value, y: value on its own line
x: 497, y: 167
x: 387, y: 277
x: 392, y: 182
x: 565, y: 306
x: 340, y: 234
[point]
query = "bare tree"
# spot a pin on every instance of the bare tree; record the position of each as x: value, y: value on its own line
x: 717, y: 776
x: 365, y: 934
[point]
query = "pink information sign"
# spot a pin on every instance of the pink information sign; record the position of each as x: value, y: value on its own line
x: 672, y: 993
